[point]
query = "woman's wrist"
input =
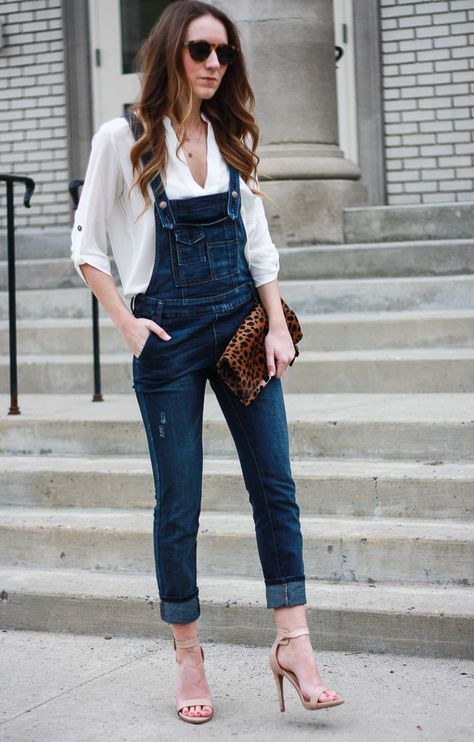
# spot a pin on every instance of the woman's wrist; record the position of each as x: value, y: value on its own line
x: 270, y: 296
x: 277, y: 322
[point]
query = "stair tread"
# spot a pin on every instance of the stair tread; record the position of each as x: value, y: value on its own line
x: 392, y: 354
x: 333, y: 318
x: 235, y: 524
x: 416, y: 408
x: 351, y: 597
x: 321, y: 468
x: 295, y: 284
x: 381, y: 247
x: 316, y: 247
x: 308, y: 356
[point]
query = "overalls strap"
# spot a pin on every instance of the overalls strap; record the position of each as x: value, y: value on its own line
x: 162, y: 204
x: 233, y: 200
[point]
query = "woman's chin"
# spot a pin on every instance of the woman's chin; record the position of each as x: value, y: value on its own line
x: 205, y: 92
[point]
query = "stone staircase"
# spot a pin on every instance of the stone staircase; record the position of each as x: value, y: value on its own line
x: 380, y: 409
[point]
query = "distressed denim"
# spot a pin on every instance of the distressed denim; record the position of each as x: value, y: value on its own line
x: 200, y: 291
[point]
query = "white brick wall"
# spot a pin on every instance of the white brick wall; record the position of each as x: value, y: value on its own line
x: 33, y: 138
x: 428, y: 81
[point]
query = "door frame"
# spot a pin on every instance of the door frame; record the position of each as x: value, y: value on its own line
x: 75, y: 14
x: 369, y: 95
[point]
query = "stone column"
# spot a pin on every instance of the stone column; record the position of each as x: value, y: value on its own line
x: 289, y: 47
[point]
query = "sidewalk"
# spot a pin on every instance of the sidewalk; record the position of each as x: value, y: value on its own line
x: 65, y: 688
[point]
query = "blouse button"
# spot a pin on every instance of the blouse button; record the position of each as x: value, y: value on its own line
x: 79, y: 228
x: 162, y: 204
x: 234, y: 194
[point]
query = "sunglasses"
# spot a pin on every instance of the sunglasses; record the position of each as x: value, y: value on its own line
x: 200, y: 51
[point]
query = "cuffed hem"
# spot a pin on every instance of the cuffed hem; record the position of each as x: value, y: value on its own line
x: 286, y: 594
x: 181, y: 612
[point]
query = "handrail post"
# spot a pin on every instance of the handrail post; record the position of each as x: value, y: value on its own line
x: 29, y: 189
x: 14, y: 408
x: 74, y: 186
x: 97, y: 396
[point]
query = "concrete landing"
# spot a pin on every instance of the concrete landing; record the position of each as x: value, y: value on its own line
x: 67, y: 688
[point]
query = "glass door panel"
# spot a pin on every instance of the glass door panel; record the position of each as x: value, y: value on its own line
x: 137, y: 19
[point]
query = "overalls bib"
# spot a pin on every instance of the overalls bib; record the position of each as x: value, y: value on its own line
x: 200, y: 274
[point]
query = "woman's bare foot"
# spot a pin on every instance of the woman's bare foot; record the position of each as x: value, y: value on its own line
x: 298, y: 657
x: 191, y: 681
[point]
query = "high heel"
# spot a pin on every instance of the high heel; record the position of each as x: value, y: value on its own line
x: 283, y: 637
x: 192, y: 701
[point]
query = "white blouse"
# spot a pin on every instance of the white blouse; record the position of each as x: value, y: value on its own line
x: 107, y: 207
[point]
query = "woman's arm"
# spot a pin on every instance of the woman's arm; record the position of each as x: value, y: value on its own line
x: 279, y: 346
x: 264, y: 266
x: 134, y: 330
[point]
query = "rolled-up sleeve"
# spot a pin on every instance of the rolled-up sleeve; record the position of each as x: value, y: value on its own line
x: 103, y: 183
x: 264, y: 260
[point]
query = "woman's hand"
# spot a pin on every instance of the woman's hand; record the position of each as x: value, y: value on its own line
x: 279, y: 350
x: 279, y: 345
x: 136, y: 331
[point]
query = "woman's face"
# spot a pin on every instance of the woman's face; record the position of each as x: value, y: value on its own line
x: 204, y: 77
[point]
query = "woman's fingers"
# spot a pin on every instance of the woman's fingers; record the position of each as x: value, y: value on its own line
x: 138, y: 331
x: 277, y: 363
x: 278, y: 356
x: 158, y: 330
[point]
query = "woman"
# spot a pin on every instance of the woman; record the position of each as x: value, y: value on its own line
x: 194, y: 264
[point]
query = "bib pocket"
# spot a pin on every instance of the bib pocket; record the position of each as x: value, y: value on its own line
x: 189, y: 257
x: 205, y: 254
x: 223, y: 250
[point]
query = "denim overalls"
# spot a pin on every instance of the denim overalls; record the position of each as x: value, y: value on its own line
x: 200, y: 291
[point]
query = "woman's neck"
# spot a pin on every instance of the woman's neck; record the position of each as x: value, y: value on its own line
x: 194, y: 119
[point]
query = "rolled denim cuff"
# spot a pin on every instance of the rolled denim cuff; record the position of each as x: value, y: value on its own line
x: 181, y: 612
x: 286, y: 594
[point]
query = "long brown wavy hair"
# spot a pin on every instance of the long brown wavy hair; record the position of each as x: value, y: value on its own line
x: 165, y: 90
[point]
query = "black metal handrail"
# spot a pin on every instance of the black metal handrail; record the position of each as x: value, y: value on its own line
x: 74, y: 186
x: 29, y: 183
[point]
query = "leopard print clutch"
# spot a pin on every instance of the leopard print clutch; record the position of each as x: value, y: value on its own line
x: 243, y: 365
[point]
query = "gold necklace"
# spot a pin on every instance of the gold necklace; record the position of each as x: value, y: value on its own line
x: 188, y: 139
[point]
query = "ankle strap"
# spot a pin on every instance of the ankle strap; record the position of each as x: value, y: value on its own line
x: 186, y: 643
x: 284, y: 635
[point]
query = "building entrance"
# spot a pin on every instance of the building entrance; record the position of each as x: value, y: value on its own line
x: 117, y: 29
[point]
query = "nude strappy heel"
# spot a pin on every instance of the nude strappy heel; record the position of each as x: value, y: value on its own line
x: 192, y: 701
x: 283, y: 637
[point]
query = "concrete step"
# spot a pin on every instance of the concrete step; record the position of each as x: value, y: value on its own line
x: 305, y: 297
x: 419, y: 258
x: 31, y: 243
x: 322, y: 332
x: 41, y: 273
x: 383, y: 330
x: 423, y: 258
x: 325, y: 487
x: 380, y: 294
x: 51, y: 303
x: 425, y: 427
x: 434, y: 621
x: 381, y: 371
x: 450, y: 221
x: 48, y: 273
x: 336, y: 549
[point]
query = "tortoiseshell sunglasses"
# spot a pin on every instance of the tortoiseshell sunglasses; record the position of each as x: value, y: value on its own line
x: 200, y: 50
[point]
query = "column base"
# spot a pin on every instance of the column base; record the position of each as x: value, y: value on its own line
x: 308, y: 212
